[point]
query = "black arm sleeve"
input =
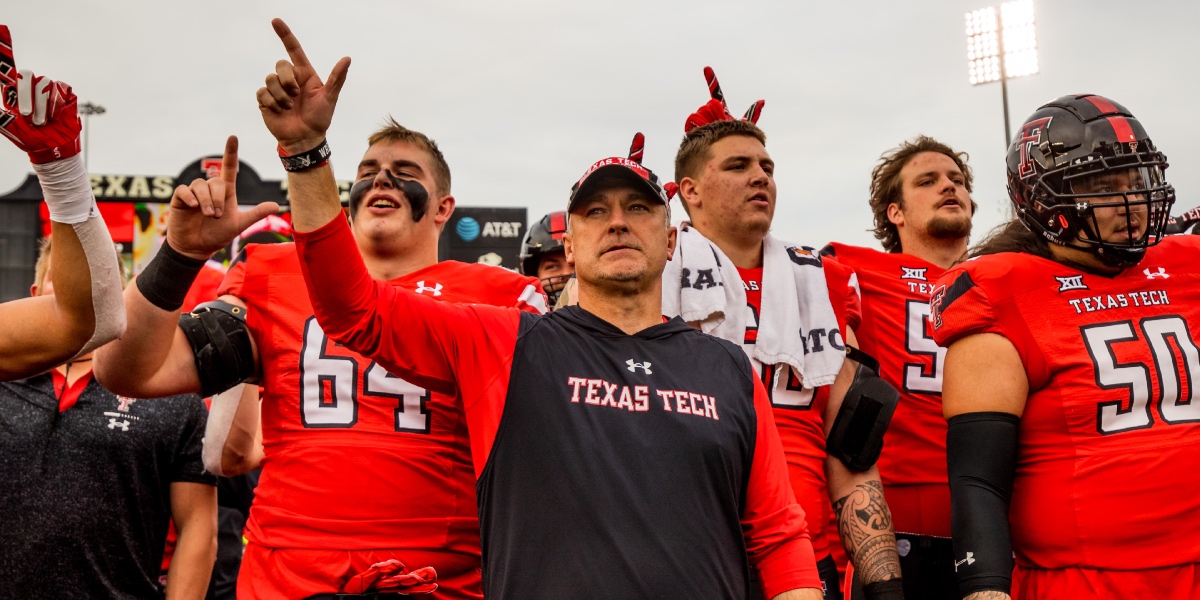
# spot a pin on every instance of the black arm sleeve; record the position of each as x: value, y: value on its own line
x: 981, y: 454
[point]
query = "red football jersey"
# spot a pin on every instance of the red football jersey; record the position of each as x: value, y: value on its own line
x: 356, y: 458
x: 895, y: 331
x: 1110, y: 438
x: 799, y: 413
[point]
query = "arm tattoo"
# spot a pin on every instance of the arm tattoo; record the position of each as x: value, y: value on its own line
x: 989, y: 595
x: 865, y: 526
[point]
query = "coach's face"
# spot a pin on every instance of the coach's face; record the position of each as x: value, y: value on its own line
x: 385, y: 213
x: 619, y: 237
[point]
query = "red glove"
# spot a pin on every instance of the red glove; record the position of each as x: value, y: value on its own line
x: 392, y: 576
x: 754, y: 112
x: 716, y: 109
x: 1180, y: 224
x: 40, y: 116
x: 671, y: 188
x: 637, y: 149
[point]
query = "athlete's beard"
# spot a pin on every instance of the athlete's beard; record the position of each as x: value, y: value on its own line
x: 947, y: 228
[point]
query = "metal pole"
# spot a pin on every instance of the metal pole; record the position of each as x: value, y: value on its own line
x: 1003, y: 92
x: 87, y: 109
x: 1004, y: 88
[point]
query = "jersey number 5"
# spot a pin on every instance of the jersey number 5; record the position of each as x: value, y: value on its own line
x: 329, y: 388
x: 918, y: 343
x: 1135, y: 412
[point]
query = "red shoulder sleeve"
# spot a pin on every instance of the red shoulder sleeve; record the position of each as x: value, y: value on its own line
x: 498, y: 286
x: 234, y: 277
x: 420, y: 339
x: 530, y: 297
x: 843, y: 293
x: 977, y: 297
x: 773, y: 523
x: 960, y: 307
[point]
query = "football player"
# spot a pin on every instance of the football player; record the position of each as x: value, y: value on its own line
x: 1071, y: 373
x: 40, y: 117
x: 542, y: 254
x: 360, y: 467
x: 726, y: 182
x: 921, y: 200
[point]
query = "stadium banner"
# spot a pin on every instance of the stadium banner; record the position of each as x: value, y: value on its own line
x: 486, y: 235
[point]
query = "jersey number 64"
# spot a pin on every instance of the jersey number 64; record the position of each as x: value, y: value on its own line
x: 329, y: 387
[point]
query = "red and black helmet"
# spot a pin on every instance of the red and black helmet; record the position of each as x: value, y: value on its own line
x: 542, y: 238
x: 1070, y: 141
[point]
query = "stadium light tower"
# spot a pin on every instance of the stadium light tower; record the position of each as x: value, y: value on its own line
x: 1001, y: 48
x: 87, y: 109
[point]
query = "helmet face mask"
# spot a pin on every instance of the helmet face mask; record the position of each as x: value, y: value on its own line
x: 543, y: 238
x: 554, y: 285
x: 1083, y: 173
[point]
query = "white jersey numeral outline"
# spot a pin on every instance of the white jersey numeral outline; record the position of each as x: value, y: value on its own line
x: 1135, y: 411
x: 919, y: 343
x: 338, y: 407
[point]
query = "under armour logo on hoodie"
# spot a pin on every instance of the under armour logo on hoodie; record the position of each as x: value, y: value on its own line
x: 634, y: 366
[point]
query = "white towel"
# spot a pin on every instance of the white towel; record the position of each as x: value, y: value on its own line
x: 703, y: 286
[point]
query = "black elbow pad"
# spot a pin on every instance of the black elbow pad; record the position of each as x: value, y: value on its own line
x: 981, y: 457
x: 856, y: 437
x: 220, y: 342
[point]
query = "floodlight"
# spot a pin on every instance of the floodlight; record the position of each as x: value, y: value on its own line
x: 1001, y: 45
x: 983, y: 49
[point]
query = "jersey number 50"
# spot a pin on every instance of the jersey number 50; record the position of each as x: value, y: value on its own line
x: 1157, y: 332
x: 329, y: 386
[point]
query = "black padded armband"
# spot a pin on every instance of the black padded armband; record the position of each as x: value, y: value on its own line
x: 220, y: 342
x: 856, y: 437
x: 981, y: 455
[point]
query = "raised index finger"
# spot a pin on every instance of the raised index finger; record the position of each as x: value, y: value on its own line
x: 8, y: 64
x: 229, y: 163
x: 290, y: 43
x: 714, y: 87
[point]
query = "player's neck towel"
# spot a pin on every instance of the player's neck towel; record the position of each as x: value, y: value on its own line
x: 703, y: 286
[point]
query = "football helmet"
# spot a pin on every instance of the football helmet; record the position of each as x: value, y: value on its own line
x: 542, y: 238
x: 1085, y: 152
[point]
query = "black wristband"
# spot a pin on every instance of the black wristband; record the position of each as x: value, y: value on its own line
x: 306, y: 160
x: 166, y: 280
x: 892, y: 589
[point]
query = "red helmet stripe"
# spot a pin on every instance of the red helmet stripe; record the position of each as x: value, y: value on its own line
x: 1102, y: 103
x: 558, y: 223
x: 1121, y: 127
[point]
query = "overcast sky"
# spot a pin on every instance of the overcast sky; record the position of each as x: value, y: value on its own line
x: 522, y: 96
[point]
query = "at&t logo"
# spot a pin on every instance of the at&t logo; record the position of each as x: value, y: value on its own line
x: 467, y: 229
